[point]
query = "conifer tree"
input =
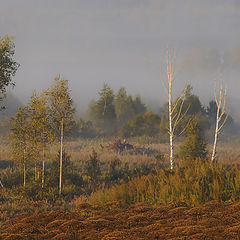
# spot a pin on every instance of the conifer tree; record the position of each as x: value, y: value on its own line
x: 194, y: 145
x: 92, y: 169
x: 124, y: 107
x: 102, y: 111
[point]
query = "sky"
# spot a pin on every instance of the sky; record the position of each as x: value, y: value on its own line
x: 123, y: 43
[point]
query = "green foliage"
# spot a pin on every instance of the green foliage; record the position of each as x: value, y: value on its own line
x: 60, y: 106
x: 211, y: 113
x: 195, y: 184
x: 8, y: 66
x: 124, y: 107
x: 144, y: 124
x: 139, y: 107
x: 111, y: 112
x: 22, y: 149
x: 102, y: 112
x: 41, y: 132
x: 92, y: 169
x: 69, y: 174
x: 192, y: 104
x: 194, y: 146
x: 114, y: 171
x: 84, y: 129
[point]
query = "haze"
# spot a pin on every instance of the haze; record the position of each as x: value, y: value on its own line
x: 123, y: 43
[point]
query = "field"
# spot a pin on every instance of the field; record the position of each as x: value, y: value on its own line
x: 134, y: 214
x: 212, y: 220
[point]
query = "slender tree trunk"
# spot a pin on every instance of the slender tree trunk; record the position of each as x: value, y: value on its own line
x: 170, y: 125
x: 1, y: 183
x: 221, y: 104
x: 43, y: 168
x: 24, y: 175
x: 61, y: 154
x: 170, y: 79
x: 35, y: 172
x: 24, y: 169
x: 215, y: 136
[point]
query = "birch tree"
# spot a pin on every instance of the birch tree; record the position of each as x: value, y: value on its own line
x: 175, y: 113
x: 170, y: 77
x: 41, y: 133
x: 61, y: 111
x: 19, y: 138
x: 221, y: 116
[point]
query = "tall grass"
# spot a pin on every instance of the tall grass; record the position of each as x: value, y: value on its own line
x: 194, y: 185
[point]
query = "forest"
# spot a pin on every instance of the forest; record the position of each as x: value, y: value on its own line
x: 121, y: 157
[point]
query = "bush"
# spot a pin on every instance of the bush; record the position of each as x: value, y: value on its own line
x: 194, y: 146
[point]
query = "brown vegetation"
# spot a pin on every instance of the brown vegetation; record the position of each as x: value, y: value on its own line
x: 212, y: 220
x: 119, y: 146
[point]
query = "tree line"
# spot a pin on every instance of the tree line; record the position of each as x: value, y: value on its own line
x: 121, y: 115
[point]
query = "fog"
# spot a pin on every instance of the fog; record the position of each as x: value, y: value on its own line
x: 123, y: 43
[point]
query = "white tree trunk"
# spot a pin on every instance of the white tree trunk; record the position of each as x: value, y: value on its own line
x: 1, y: 183
x: 221, y: 104
x: 24, y: 169
x: 24, y: 175
x: 215, y: 136
x: 35, y: 172
x: 43, y: 168
x: 61, y: 155
x: 170, y: 125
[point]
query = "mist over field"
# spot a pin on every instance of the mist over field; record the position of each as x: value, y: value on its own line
x: 100, y: 138
x: 123, y: 43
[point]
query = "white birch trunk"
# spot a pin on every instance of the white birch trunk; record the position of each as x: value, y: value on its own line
x: 43, y: 168
x: 61, y: 155
x: 215, y: 136
x: 35, y: 172
x: 170, y: 125
x: 24, y: 169
x: 24, y: 175
x: 221, y: 104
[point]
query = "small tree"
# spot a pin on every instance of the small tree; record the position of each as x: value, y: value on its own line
x: 8, y: 66
x: 124, y: 107
x: 61, y: 111
x: 102, y: 112
x: 22, y: 150
x: 41, y: 133
x: 194, y: 145
x: 92, y: 169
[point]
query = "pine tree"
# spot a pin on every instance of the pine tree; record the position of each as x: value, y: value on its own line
x: 124, y: 107
x: 194, y: 145
x: 92, y: 169
x: 102, y: 112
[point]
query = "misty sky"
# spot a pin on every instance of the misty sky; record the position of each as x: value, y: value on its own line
x: 123, y: 43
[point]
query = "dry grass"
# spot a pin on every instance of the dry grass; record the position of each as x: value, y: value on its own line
x: 212, y: 220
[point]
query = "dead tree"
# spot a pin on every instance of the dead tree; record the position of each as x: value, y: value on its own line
x: 221, y: 117
x: 175, y: 115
